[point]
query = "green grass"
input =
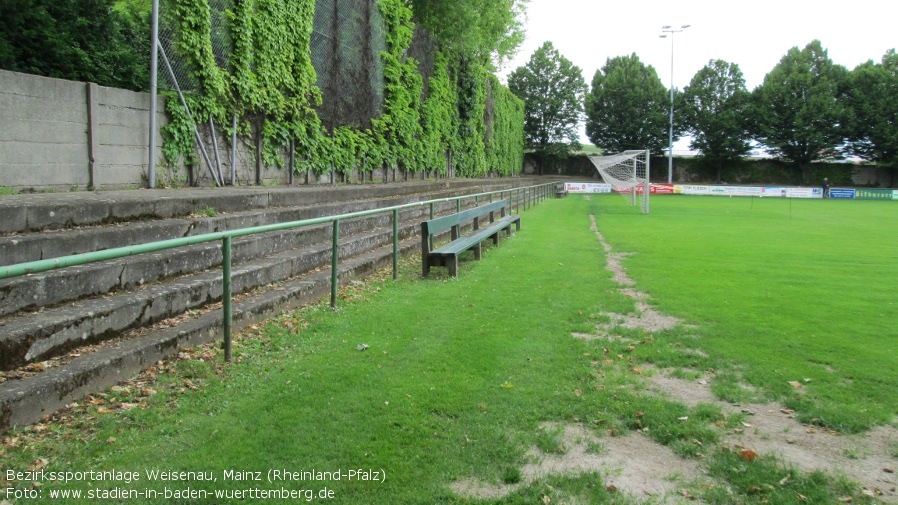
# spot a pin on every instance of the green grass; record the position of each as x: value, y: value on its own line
x: 5, y: 190
x: 458, y: 377
x: 800, y: 290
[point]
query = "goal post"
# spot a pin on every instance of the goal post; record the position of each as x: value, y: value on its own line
x: 628, y: 173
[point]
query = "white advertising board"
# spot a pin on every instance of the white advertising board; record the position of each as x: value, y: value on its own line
x: 587, y: 187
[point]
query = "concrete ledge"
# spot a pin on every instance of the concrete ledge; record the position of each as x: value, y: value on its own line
x: 37, y: 212
x: 53, y: 244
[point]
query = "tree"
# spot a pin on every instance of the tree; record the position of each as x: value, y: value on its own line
x: 627, y: 107
x: 489, y: 29
x: 713, y: 109
x: 83, y: 40
x: 872, y: 102
x: 552, y: 89
x: 798, y: 112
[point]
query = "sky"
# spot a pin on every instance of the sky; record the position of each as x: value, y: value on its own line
x: 755, y: 35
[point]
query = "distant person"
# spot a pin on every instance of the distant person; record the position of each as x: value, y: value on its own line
x: 826, y: 187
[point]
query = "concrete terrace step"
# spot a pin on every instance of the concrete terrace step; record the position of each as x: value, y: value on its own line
x: 23, y: 401
x: 51, y: 288
x: 36, y: 212
x: 113, y: 305
x: 53, y: 244
x: 48, y: 333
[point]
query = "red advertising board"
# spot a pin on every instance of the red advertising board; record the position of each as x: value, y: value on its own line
x: 654, y: 189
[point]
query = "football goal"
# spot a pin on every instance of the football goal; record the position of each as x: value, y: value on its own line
x: 627, y: 173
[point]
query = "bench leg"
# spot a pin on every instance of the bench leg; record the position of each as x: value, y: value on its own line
x: 496, y: 239
x: 517, y: 225
x: 508, y: 231
x: 477, y: 252
x: 425, y: 266
x: 453, y: 266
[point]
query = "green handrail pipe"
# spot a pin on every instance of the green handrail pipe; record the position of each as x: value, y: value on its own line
x: 226, y: 238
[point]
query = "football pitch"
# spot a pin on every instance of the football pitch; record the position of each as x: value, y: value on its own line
x: 513, y: 384
x: 784, y: 290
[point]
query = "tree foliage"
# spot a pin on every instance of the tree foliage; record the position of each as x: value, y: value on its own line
x: 483, y: 29
x: 872, y: 100
x: 799, y: 115
x: 552, y: 89
x: 270, y: 85
x: 714, y: 110
x: 84, y: 40
x: 627, y: 107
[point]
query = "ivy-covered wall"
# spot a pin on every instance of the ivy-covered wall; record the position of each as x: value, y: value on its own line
x: 467, y: 125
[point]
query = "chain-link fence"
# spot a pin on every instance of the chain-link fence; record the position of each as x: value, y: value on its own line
x: 347, y: 41
x: 346, y: 44
x: 168, y: 33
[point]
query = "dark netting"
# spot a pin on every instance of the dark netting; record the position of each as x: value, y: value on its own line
x: 346, y: 47
x: 489, y: 113
x: 423, y: 49
x: 322, y: 46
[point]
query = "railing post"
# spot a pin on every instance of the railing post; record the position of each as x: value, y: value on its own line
x: 334, y: 258
x: 227, y: 310
x: 395, y: 243
x: 458, y: 204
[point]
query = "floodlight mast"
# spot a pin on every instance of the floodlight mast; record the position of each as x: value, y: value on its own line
x: 665, y: 30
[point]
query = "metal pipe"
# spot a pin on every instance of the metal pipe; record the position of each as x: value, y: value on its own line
x: 154, y: 73
x: 226, y: 309
x: 33, y: 267
x: 215, y: 147
x: 234, y: 151
x: 395, y: 243
x: 196, y: 133
x: 648, y: 178
x: 227, y: 237
x: 335, y: 254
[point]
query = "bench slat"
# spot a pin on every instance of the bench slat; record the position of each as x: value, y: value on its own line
x: 440, y: 224
x: 463, y: 244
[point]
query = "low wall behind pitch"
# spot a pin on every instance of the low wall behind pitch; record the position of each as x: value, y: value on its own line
x: 758, y: 191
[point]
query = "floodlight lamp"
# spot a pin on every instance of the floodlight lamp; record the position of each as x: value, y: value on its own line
x: 665, y: 27
x: 686, y: 26
x: 662, y: 36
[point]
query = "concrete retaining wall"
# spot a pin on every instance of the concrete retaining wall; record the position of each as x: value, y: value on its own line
x: 65, y: 135
x: 58, y: 134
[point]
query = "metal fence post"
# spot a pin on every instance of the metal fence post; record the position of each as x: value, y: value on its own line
x: 395, y: 243
x: 227, y: 310
x: 334, y: 258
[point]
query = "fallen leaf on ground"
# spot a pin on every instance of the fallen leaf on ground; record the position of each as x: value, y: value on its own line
x: 748, y: 454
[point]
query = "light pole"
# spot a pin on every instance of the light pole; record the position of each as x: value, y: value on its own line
x: 665, y: 30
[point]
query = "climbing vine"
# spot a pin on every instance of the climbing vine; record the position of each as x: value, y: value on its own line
x: 270, y: 85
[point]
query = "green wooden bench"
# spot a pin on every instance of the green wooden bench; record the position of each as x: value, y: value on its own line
x: 447, y: 254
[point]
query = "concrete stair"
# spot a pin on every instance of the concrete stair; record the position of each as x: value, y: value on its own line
x: 73, y: 331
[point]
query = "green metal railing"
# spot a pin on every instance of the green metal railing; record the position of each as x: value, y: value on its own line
x: 518, y: 197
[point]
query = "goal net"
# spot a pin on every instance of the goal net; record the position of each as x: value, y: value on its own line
x: 627, y: 173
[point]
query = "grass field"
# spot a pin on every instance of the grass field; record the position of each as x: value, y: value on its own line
x: 785, y: 290
x: 460, y: 375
